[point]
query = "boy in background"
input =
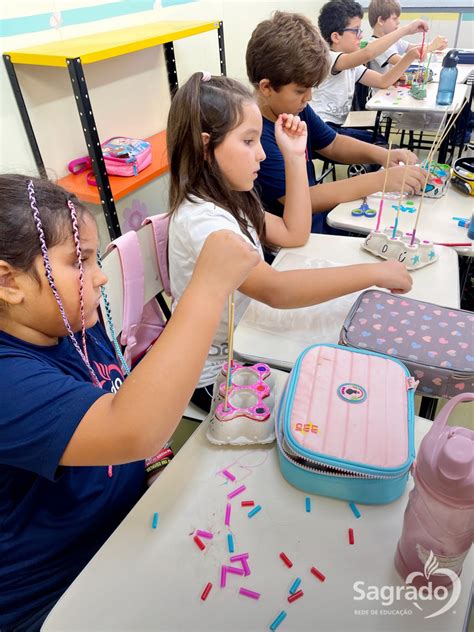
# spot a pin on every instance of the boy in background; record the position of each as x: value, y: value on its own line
x: 340, y: 25
x: 384, y: 18
x: 286, y: 56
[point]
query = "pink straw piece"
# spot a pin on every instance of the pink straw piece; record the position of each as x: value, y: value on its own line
x: 249, y: 593
x: 223, y: 576
x: 204, y: 534
x: 227, y: 514
x: 237, y: 491
x: 228, y: 475
x: 234, y: 570
x: 245, y: 567
x: 237, y: 558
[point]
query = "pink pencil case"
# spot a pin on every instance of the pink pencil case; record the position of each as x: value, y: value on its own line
x: 123, y: 156
x: 345, y: 424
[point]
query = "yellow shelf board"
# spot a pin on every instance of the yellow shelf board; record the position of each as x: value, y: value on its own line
x: 100, y: 46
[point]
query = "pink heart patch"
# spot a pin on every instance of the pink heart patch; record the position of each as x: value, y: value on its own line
x: 390, y: 301
x: 410, y: 332
x: 438, y: 381
x: 460, y: 386
x: 437, y: 312
x: 362, y: 321
x: 443, y: 341
x: 452, y: 314
x: 378, y: 327
x: 451, y: 352
x: 377, y: 294
x: 404, y: 303
x: 422, y: 307
x: 427, y: 338
x: 463, y: 345
x: 392, y: 329
x: 351, y: 328
x: 365, y: 300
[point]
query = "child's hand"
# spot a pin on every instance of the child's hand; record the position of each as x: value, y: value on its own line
x: 291, y: 135
x: 224, y: 262
x: 414, y: 54
x: 414, y: 181
x: 439, y: 43
x: 393, y: 276
x: 417, y: 26
x: 402, y: 155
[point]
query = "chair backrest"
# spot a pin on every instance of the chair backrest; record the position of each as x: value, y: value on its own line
x: 135, y: 264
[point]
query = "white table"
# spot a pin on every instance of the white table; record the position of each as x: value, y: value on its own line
x: 464, y: 70
x: 278, y: 336
x: 144, y: 579
x: 435, y: 223
x: 398, y: 99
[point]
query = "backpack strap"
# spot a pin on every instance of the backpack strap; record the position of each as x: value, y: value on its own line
x: 160, y: 224
x: 133, y: 275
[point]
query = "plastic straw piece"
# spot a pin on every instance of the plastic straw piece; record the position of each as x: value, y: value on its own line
x: 227, y: 514
x: 237, y: 558
x: 286, y: 559
x: 253, y: 511
x: 204, y: 534
x: 308, y: 504
x: 384, y: 187
x: 318, y: 574
x: 351, y: 536
x: 294, y: 585
x: 206, y: 591
x: 247, y: 503
x: 249, y: 593
x: 199, y: 542
x: 223, y: 576
x: 228, y: 475
x: 277, y: 621
x: 230, y: 543
x: 154, y: 522
x: 355, y: 510
x: 110, y: 471
x: 245, y: 566
x: 234, y: 570
x: 237, y: 491
x: 295, y: 596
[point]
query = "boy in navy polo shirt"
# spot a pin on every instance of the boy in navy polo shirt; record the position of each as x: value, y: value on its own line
x: 286, y: 56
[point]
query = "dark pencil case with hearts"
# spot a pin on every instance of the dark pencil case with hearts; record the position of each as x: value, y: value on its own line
x: 434, y: 342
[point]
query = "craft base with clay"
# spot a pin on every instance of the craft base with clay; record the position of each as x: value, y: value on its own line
x: 399, y: 248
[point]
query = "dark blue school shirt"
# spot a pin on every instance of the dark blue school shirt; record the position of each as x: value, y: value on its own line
x: 271, y: 177
x: 53, y: 519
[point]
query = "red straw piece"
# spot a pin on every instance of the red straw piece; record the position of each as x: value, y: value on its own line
x: 199, y: 542
x: 286, y: 559
x: 247, y: 503
x: 318, y: 574
x: 351, y: 536
x: 295, y: 596
x: 206, y: 591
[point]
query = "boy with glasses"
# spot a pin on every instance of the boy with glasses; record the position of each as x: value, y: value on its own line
x: 340, y: 25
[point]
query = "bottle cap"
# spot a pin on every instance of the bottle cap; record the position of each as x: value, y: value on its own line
x: 451, y: 59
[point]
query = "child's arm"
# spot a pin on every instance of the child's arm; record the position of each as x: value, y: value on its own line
x: 140, y: 418
x: 375, y: 79
x: 439, y: 43
x: 300, y: 288
x: 378, y: 46
x: 294, y: 227
x: 328, y: 195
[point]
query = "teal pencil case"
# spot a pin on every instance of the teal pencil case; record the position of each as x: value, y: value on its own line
x: 345, y: 424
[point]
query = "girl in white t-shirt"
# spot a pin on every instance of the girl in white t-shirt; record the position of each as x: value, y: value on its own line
x: 214, y: 151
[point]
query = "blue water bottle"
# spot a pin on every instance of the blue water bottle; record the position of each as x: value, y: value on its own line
x: 470, y: 231
x: 447, y: 78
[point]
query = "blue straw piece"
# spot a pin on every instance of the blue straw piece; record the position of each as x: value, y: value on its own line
x: 253, y: 511
x: 295, y: 586
x: 355, y: 511
x: 308, y: 504
x: 154, y: 523
x: 230, y: 542
x: 278, y: 620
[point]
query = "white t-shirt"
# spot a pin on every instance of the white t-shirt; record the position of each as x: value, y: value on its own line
x: 381, y: 63
x: 189, y: 227
x: 332, y: 100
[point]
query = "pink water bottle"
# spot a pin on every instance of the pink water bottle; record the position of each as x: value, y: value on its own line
x: 438, y: 526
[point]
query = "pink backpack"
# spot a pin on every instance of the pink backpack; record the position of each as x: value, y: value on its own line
x: 123, y: 156
x: 142, y: 323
